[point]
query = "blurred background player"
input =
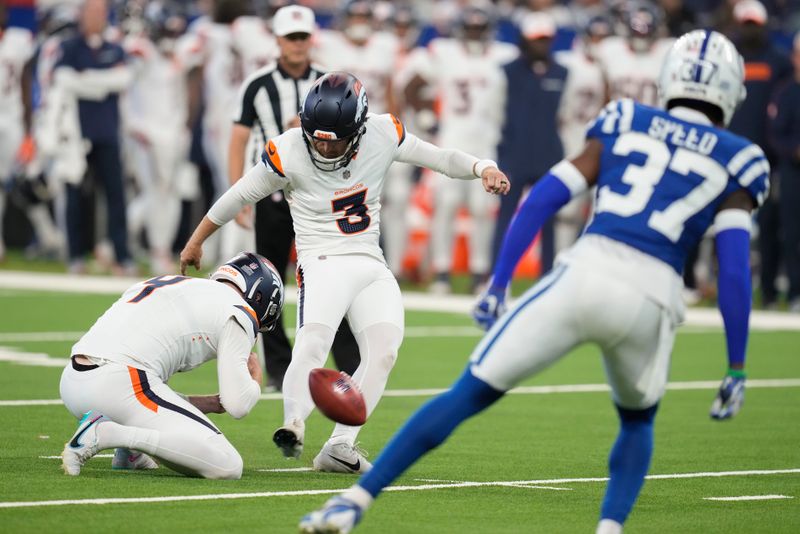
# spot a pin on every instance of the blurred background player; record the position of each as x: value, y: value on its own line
x: 220, y: 53
x: 466, y: 74
x: 632, y: 60
x: 402, y: 22
x: 92, y: 70
x: 766, y: 68
x: 155, y: 112
x: 341, y: 271
x: 17, y: 148
x: 118, y: 371
x: 785, y: 129
x: 585, y: 94
x: 619, y: 287
x: 533, y: 91
x: 358, y: 48
x: 268, y: 105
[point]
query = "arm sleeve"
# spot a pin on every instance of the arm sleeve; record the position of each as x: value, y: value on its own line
x: 448, y: 161
x: 238, y: 392
x: 112, y: 80
x: 733, y: 251
x: 259, y: 182
x: 553, y: 191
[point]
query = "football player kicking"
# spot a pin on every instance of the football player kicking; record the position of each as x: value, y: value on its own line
x: 117, y: 376
x: 332, y: 173
x: 662, y: 178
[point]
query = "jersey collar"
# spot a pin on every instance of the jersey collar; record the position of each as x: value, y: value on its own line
x: 287, y: 76
x: 689, y: 115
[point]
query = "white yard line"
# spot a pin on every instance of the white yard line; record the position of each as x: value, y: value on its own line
x: 59, y: 456
x: 410, y: 332
x: 764, y: 383
x: 286, y: 470
x: 748, y: 498
x: 421, y: 487
x: 462, y: 304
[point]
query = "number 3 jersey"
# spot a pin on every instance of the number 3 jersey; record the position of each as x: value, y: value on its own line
x: 664, y: 174
x: 337, y: 212
x: 169, y: 324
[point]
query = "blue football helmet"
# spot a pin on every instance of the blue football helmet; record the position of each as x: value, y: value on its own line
x: 260, y: 284
x: 335, y: 109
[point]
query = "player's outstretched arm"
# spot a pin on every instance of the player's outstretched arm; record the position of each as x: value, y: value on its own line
x: 259, y: 182
x: 451, y: 162
x: 192, y: 253
x: 732, y: 225
x: 551, y: 192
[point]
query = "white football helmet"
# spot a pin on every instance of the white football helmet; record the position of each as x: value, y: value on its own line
x: 704, y: 65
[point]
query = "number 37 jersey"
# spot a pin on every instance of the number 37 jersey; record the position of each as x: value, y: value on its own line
x: 664, y: 174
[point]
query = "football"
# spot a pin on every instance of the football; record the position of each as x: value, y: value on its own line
x: 337, y: 396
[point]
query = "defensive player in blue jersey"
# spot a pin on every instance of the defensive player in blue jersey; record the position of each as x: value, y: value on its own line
x: 663, y: 178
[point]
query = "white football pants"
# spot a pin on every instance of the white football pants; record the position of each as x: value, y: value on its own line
x: 575, y: 304
x: 363, y: 289
x: 149, y: 417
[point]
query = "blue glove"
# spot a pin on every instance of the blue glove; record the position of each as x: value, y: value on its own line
x: 730, y: 397
x: 492, y: 304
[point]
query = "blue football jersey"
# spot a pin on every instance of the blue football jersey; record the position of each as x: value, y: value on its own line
x: 663, y: 178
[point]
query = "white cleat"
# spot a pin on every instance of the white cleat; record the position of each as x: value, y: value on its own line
x: 338, y: 516
x: 338, y: 455
x: 128, y: 460
x: 83, y: 445
x: 289, y: 439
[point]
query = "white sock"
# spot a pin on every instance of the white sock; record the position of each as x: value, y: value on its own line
x: 608, y: 526
x: 310, y: 351
x: 358, y: 495
x: 378, y: 345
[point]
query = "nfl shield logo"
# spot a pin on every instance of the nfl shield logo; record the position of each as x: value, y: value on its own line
x: 346, y: 174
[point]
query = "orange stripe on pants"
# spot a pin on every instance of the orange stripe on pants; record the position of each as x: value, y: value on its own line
x: 137, y: 390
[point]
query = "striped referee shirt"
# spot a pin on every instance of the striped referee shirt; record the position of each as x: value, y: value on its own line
x: 268, y: 100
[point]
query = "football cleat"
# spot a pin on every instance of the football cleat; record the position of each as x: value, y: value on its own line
x: 289, y: 439
x: 338, y: 516
x: 730, y: 398
x: 338, y: 455
x: 83, y: 445
x: 126, y: 459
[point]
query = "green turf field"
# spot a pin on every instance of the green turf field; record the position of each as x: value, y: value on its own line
x: 518, y: 453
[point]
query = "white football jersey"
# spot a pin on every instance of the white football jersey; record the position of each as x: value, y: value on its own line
x: 167, y: 325
x: 470, y: 88
x: 373, y: 63
x: 632, y: 75
x: 16, y: 48
x: 337, y: 212
x: 157, y: 98
x: 584, y: 96
x: 254, y: 43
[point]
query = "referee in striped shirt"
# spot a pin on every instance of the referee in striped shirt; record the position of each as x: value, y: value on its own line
x: 268, y: 104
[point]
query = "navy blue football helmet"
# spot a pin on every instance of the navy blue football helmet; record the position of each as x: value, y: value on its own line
x: 260, y: 284
x: 335, y: 110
